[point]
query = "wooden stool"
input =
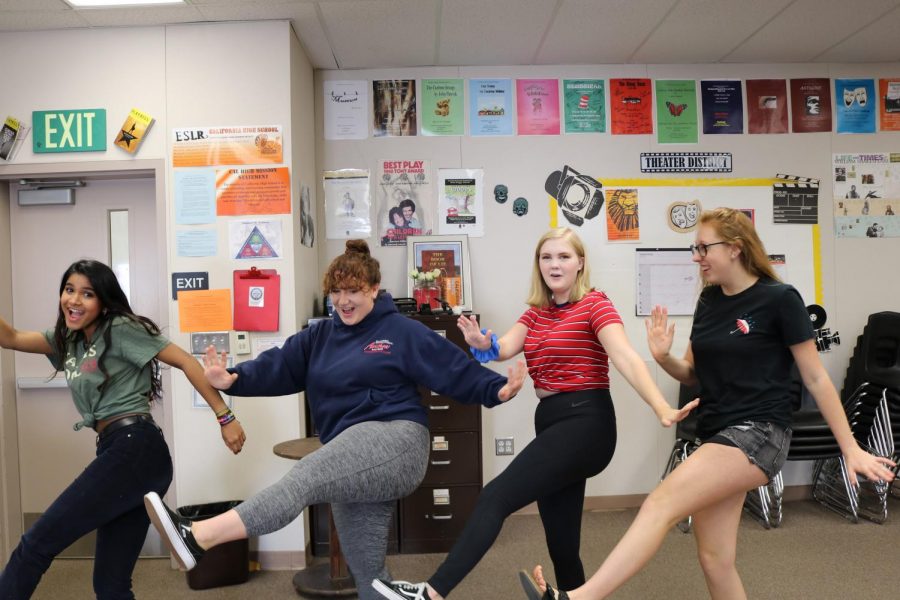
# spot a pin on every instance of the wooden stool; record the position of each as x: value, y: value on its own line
x: 328, y: 580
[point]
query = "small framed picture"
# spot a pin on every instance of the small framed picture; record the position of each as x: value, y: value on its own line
x: 449, y: 256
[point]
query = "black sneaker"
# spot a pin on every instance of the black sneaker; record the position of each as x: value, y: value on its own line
x: 175, y: 531
x: 401, y: 590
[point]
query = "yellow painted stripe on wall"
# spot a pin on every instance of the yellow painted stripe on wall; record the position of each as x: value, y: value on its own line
x: 817, y: 263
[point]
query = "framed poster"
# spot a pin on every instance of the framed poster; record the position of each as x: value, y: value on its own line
x: 448, y: 254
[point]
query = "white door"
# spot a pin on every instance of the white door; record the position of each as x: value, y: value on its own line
x: 45, y: 240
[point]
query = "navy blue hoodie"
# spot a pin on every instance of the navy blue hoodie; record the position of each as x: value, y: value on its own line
x: 367, y: 372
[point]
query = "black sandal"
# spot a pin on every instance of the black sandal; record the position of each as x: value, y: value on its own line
x: 534, y: 592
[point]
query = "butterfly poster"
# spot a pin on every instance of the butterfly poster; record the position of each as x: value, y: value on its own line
x: 676, y: 111
x: 767, y: 106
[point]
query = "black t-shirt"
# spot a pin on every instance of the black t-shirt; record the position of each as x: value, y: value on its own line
x: 742, y: 358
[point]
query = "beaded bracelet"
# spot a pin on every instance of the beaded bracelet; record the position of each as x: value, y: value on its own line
x: 225, y: 418
x: 492, y: 353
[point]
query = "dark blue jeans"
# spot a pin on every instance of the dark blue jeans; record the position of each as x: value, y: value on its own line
x: 108, y: 496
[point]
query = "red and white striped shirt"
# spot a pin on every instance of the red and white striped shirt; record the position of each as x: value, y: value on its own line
x: 561, y: 347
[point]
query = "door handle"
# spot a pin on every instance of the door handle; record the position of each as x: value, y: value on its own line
x: 440, y: 462
x: 439, y: 407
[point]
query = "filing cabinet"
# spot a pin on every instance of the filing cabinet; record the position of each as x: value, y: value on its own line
x: 432, y: 517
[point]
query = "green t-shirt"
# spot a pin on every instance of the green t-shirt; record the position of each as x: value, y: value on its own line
x: 127, y: 361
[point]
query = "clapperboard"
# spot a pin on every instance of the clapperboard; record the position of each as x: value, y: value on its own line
x: 795, y: 200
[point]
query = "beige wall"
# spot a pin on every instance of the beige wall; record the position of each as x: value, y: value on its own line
x: 855, y: 272
x: 189, y: 75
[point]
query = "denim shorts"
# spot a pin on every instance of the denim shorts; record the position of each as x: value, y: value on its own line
x: 765, y: 444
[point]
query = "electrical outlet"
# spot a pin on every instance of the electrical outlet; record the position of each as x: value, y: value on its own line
x: 504, y: 446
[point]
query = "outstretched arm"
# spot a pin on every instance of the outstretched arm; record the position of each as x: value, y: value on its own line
x: 232, y: 433
x: 632, y: 367
x: 512, y: 342
x: 659, y: 338
x: 23, y: 341
x: 816, y: 380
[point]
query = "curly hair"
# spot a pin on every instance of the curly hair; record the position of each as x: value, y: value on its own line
x: 354, y: 269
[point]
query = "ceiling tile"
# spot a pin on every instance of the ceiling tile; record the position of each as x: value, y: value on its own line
x: 806, y: 28
x: 34, y: 5
x: 381, y: 33
x: 33, y: 20
x: 499, y: 32
x: 878, y: 42
x: 140, y: 16
x: 698, y: 31
x: 588, y: 32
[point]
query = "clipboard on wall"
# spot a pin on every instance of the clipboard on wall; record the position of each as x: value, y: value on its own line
x: 257, y: 296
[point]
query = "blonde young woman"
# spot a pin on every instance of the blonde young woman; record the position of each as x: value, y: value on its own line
x: 748, y: 330
x: 569, y: 334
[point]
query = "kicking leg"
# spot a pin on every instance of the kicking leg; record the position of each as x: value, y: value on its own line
x: 712, y: 474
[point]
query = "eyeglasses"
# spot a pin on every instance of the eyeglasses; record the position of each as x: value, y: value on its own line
x: 702, y: 249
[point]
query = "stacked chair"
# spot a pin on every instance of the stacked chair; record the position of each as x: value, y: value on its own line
x: 874, y: 371
x: 871, y: 400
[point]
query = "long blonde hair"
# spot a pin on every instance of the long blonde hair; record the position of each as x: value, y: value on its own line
x: 540, y: 295
x: 735, y: 228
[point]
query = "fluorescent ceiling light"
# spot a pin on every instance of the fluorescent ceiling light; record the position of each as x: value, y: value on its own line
x: 115, y: 3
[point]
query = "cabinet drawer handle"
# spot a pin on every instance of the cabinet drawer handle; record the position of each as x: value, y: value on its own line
x: 440, y: 462
x: 441, y: 407
x: 441, y: 517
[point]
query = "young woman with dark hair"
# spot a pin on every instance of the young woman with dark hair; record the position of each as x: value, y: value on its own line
x: 111, y: 360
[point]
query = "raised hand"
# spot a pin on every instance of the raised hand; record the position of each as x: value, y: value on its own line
x: 675, y: 415
x: 468, y: 325
x: 659, y: 332
x: 514, y: 381
x: 214, y: 369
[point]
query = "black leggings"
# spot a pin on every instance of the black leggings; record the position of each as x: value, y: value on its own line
x: 576, y: 438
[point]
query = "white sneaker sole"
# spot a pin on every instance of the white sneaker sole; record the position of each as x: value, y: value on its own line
x: 166, y: 528
x: 530, y: 586
x: 386, y: 591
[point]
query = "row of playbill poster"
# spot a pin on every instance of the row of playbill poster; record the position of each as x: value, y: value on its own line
x: 505, y: 107
x: 866, y: 195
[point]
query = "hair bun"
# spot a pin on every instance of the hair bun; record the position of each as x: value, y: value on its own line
x: 357, y: 246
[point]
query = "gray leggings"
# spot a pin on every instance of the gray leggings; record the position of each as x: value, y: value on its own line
x: 361, y: 472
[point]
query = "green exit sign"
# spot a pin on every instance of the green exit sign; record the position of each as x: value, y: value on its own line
x: 69, y: 130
